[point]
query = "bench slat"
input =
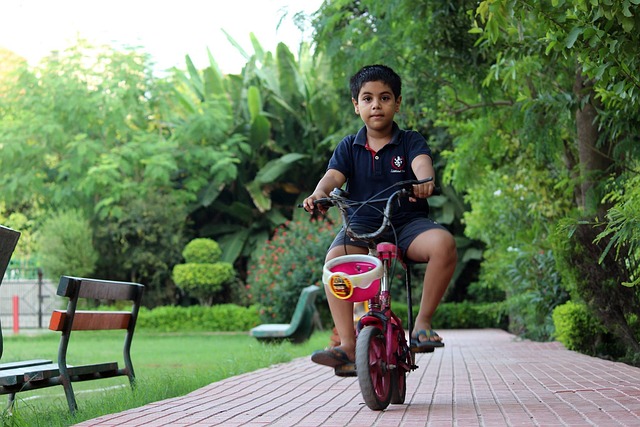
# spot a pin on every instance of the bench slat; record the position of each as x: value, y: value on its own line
x: 12, y: 373
x: 98, y: 289
x: 76, y: 372
x: 21, y: 364
x: 12, y: 377
x: 91, y: 320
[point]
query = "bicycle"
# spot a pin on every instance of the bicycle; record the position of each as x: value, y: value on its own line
x: 383, y: 356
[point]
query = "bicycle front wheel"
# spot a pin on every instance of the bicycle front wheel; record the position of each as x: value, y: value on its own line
x: 374, y: 374
x: 399, y: 373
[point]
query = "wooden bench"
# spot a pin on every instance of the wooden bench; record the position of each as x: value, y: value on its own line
x: 39, y: 373
x: 302, y: 322
x: 8, y: 375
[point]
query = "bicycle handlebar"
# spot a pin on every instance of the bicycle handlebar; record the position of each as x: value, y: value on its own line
x: 339, y: 198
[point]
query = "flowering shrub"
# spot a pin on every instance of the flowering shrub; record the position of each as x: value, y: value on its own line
x: 290, y: 261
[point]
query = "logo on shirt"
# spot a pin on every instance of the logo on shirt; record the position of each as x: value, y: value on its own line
x: 397, y: 164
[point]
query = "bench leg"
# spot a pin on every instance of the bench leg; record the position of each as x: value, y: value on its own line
x: 10, y: 402
x: 68, y: 391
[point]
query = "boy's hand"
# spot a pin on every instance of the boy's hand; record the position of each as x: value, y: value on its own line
x: 422, y: 191
x: 310, y: 207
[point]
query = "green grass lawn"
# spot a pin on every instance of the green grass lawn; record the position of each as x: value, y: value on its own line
x: 166, y: 365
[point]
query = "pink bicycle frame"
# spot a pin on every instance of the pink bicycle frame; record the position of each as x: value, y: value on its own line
x: 380, y: 314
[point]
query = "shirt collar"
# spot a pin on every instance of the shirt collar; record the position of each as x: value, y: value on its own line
x: 361, y: 136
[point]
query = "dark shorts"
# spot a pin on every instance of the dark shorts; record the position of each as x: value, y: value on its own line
x: 405, y: 233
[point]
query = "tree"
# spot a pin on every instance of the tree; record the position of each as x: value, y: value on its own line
x: 203, y: 275
x: 65, y: 245
x: 85, y: 131
x: 508, y: 92
x: 598, y: 40
x: 281, y: 114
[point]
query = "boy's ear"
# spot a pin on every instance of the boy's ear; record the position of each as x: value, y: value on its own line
x: 398, y: 102
x: 355, y: 105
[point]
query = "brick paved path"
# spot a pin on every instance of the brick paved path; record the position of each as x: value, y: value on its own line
x: 481, y: 378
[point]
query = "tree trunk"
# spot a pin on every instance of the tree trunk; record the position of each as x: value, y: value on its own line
x: 593, y: 163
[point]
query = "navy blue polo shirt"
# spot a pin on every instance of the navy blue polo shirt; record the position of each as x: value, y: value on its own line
x: 369, y: 174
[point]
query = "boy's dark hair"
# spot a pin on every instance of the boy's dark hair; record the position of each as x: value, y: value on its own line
x: 375, y: 73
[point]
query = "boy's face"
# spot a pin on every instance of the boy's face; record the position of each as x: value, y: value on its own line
x: 376, y: 105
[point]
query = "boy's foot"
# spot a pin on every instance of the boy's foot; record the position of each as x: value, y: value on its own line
x: 333, y: 356
x: 425, y: 341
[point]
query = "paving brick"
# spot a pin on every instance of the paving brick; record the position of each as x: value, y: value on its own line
x: 481, y: 378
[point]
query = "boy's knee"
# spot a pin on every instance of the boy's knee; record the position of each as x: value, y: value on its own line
x: 445, y: 250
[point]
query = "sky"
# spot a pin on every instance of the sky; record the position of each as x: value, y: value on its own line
x: 166, y: 29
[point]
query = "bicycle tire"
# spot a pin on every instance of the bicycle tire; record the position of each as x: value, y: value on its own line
x: 398, y: 386
x: 374, y: 375
x: 399, y: 373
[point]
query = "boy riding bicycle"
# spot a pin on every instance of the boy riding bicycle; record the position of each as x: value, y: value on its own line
x: 379, y: 155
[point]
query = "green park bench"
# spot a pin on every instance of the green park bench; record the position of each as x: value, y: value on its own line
x: 303, y: 321
x: 22, y: 376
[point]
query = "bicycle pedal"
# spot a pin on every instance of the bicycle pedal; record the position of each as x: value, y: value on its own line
x: 346, y: 370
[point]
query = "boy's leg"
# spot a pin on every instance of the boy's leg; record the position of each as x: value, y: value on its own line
x: 437, y: 248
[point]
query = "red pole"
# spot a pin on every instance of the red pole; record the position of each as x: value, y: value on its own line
x: 16, y: 315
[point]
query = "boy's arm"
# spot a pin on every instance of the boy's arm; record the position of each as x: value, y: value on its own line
x: 422, y: 167
x: 331, y: 179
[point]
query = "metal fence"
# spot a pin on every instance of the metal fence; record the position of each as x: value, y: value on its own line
x: 27, y: 303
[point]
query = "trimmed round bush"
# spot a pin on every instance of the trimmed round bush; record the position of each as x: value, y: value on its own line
x: 202, y: 251
x: 576, y: 328
x: 203, y: 278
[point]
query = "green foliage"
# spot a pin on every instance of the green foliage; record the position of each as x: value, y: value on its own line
x: 203, y: 276
x: 107, y: 137
x: 202, y: 251
x: 518, y: 260
x: 203, y: 279
x: 85, y: 130
x: 598, y: 284
x: 65, y: 245
x: 469, y: 315
x: 536, y: 289
x: 460, y: 315
x: 579, y: 330
x: 623, y: 228
x: 218, y: 318
x: 18, y: 221
x: 495, y: 90
x: 142, y: 245
x: 84, y: 118
x: 281, y: 110
x: 288, y: 262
